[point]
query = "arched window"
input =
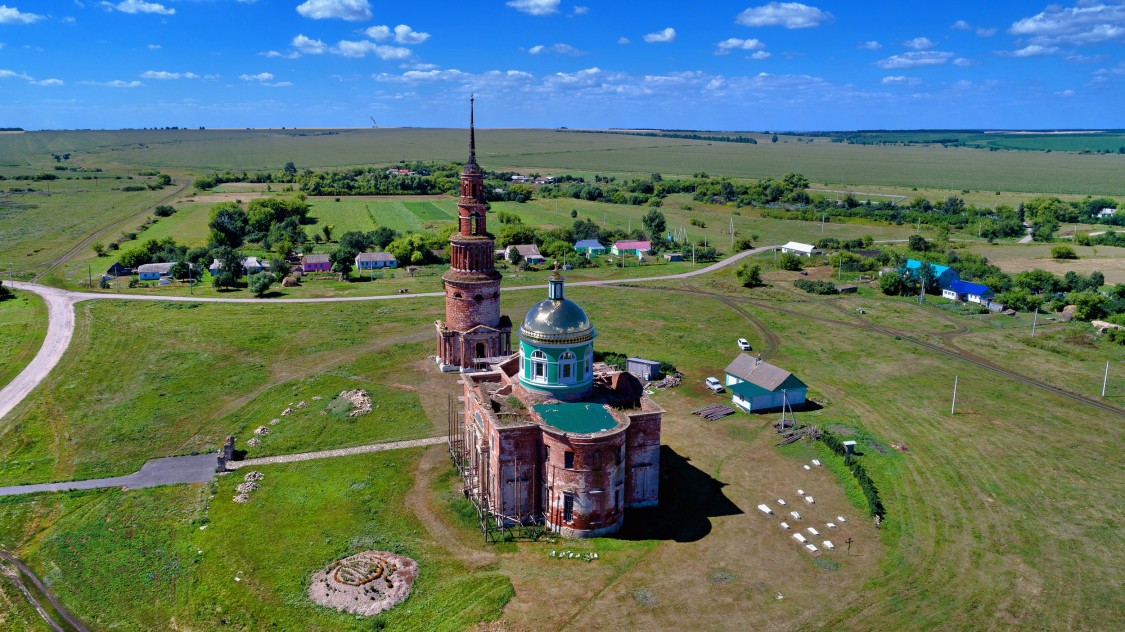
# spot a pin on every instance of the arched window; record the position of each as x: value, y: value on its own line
x: 589, y: 362
x: 538, y: 366
x: 567, y: 369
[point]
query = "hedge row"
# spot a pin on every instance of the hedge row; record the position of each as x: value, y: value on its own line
x: 874, y: 504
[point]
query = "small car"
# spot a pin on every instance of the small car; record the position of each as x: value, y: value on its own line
x: 743, y: 344
x: 714, y: 384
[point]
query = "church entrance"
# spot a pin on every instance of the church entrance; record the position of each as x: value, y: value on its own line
x: 480, y: 350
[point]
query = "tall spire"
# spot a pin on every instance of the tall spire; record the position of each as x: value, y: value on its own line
x: 472, y: 132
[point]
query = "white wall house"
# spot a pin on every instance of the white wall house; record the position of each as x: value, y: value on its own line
x: 802, y: 250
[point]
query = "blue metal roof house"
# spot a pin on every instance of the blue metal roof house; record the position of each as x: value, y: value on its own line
x: 972, y: 292
x: 589, y: 247
x: 944, y: 274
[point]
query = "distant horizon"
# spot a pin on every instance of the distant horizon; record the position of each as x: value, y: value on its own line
x: 785, y: 132
x: 542, y: 64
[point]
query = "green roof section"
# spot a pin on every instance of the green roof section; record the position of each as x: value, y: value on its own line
x: 576, y: 418
x: 748, y: 390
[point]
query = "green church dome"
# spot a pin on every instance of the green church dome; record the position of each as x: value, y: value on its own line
x: 556, y: 320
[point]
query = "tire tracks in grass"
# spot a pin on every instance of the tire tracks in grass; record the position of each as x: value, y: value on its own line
x: 67, y: 617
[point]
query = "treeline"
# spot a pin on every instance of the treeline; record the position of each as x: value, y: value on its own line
x: 870, y: 492
x: 678, y: 135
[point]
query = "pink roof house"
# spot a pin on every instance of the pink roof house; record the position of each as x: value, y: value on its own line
x: 315, y: 263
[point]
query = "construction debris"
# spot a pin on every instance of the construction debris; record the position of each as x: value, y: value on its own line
x: 246, y: 488
x: 253, y: 476
x: 262, y: 431
x: 287, y: 411
x: 361, y: 402
x: 668, y: 381
x: 713, y: 412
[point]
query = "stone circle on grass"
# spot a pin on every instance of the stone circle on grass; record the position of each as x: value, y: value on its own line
x: 366, y: 583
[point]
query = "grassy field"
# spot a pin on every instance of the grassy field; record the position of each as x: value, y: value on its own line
x: 142, y: 381
x: 550, y: 151
x: 152, y: 558
x: 1030, y: 541
x: 1108, y: 260
x: 23, y: 325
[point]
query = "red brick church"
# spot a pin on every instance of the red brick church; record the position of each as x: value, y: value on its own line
x: 547, y: 436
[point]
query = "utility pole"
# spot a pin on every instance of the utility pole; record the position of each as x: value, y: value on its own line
x: 1034, y: 322
x: 1105, y: 380
x: 90, y: 276
x: 693, y: 255
x: 953, y: 407
x: 732, y: 233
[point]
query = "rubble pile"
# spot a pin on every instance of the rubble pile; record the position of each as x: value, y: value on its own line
x: 361, y: 402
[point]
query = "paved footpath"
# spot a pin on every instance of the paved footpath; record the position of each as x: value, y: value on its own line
x: 329, y: 454
x: 198, y: 468
x: 201, y: 468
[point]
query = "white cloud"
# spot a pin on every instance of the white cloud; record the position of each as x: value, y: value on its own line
x: 272, y: 54
x: 623, y: 40
x: 11, y: 74
x: 983, y: 32
x: 116, y: 83
x: 347, y: 48
x: 914, y: 59
x: 870, y: 45
x: 47, y: 82
x: 307, y: 45
x: 1065, y: 93
x: 961, y: 25
x: 535, y: 7
x: 963, y: 63
x: 760, y: 55
x: 406, y: 35
x: 1031, y: 50
x: 667, y: 35
x: 919, y: 43
x: 900, y: 80
x: 350, y: 10
x: 164, y: 75
x: 581, y: 10
x: 12, y: 15
x: 378, y: 33
x: 154, y: 46
x: 279, y: 84
x: 561, y: 49
x: 1087, y: 23
x: 733, y: 43
x: 139, y: 6
x: 791, y: 15
x: 261, y: 76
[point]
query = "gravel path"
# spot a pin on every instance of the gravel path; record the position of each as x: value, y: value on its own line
x: 20, y: 568
x: 329, y: 454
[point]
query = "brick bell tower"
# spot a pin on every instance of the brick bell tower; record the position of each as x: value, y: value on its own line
x: 474, y: 329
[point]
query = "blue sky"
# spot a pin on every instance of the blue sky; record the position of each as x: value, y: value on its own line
x: 544, y: 63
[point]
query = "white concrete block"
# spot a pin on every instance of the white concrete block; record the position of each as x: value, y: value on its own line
x: 828, y: 544
x: 765, y: 509
x: 800, y: 492
x: 840, y: 519
x: 785, y: 525
x: 809, y: 500
x: 816, y: 462
x: 781, y: 502
x: 831, y: 525
x: 798, y: 537
x: 796, y: 516
x: 812, y: 531
x: 811, y: 548
x: 807, y: 467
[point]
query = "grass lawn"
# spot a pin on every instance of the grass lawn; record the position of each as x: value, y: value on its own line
x: 148, y: 380
x: 147, y: 559
x: 23, y: 325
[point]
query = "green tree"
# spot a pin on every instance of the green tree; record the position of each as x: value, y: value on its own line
x: 326, y: 230
x: 1090, y: 305
x: 773, y: 139
x: 520, y: 193
x: 790, y: 261
x: 918, y: 243
x: 514, y: 234
x: 228, y: 225
x: 260, y: 283
x: 892, y: 284
x: 98, y: 247
x: 4, y: 292
x: 557, y: 249
x: 654, y: 224
x: 230, y: 267
x: 343, y: 260
x: 180, y: 270
x: 749, y: 275
x: 927, y: 277
x: 290, y: 170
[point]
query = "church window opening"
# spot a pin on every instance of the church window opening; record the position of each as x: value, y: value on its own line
x: 566, y: 367
x: 478, y: 298
x: 480, y: 350
x: 538, y: 366
x: 568, y: 507
x: 568, y: 460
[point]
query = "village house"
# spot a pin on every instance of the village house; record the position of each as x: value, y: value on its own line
x: 944, y: 275
x: 636, y: 248
x: 315, y: 263
x: 529, y: 252
x: 756, y: 385
x: 154, y: 271
x: 964, y: 291
x: 375, y: 260
x: 589, y: 247
x: 118, y: 270
x: 1107, y: 212
x: 799, y: 249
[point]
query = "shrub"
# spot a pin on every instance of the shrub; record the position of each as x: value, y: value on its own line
x: 815, y: 287
x: 697, y: 222
x: 163, y: 211
x: 4, y: 292
x: 749, y: 275
x: 874, y: 503
x: 790, y: 261
x: 1063, y: 252
x: 98, y: 247
x: 260, y: 283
